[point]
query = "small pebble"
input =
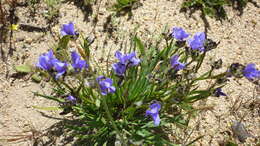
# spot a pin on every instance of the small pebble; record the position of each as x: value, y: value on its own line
x: 240, y: 131
x: 19, y: 39
x: 29, y: 40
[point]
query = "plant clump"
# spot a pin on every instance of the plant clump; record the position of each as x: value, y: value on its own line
x: 138, y: 98
x: 214, y: 8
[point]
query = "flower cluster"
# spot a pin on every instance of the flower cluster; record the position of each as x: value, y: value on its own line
x: 45, y: 61
x: 125, y: 61
x: 106, y: 85
x: 48, y: 62
x: 195, y: 43
x: 77, y: 63
x: 132, y: 91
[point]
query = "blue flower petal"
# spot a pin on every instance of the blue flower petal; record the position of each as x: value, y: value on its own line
x: 179, y: 34
x: 250, y: 72
x: 154, y: 113
x: 45, y: 61
x: 175, y: 64
x: 156, y: 119
x: 71, y: 98
x: 68, y: 29
x: 105, y: 85
x: 77, y: 63
x: 119, y: 68
x: 197, y: 42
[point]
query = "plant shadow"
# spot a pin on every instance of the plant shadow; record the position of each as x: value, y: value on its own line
x: 126, y: 10
x: 8, y: 18
x: 86, y: 8
x: 220, y: 13
x: 53, y: 135
x: 60, y: 134
x: 239, y: 5
x: 202, y: 16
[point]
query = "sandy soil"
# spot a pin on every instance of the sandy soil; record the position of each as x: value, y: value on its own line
x: 239, y: 42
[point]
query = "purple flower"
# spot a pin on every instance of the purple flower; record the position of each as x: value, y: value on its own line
x: 105, y: 85
x: 68, y: 29
x: 176, y: 64
x: 125, y: 61
x: 179, y: 34
x: 250, y: 72
x: 119, y: 68
x: 71, y: 98
x: 127, y: 58
x: 218, y: 92
x: 77, y: 63
x: 133, y: 61
x: 197, y: 42
x: 154, y: 113
x: 45, y: 61
x: 60, y: 67
x: 122, y: 58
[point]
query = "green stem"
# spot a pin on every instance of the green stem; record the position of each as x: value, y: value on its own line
x: 59, y: 85
x: 200, y: 61
x: 55, y: 81
x: 113, y: 122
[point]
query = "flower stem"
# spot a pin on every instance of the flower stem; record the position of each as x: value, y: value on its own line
x: 113, y: 122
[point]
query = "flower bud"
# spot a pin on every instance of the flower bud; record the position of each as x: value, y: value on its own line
x: 210, y: 44
x: 217, y: 64
x: 236, y: 70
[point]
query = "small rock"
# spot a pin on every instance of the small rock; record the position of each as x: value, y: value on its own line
x: 257, y: 100
x: 29, y: 40
x: 254, y: 22
x: 24, y: 85
x: 26, y: 47
x: 240, y: 131
x: 19, y: 39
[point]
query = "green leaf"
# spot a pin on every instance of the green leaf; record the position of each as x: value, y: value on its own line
x: 123, y: 2
x: 47, y: 108
x: 50, y: 97
x: 85, y: 46
x: 36, y: 78
x: 23, y: 68
x: 230, y: 143
x: 139, y: 45
x: 209, y: 11
x: 63, y: 43
x: 129, y: 111
x: 201, y: 95
x: 61, y: 51
x: 198, y: 138
x: 97, y: 103
x: 188, y: 4
x: 143, y: 133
